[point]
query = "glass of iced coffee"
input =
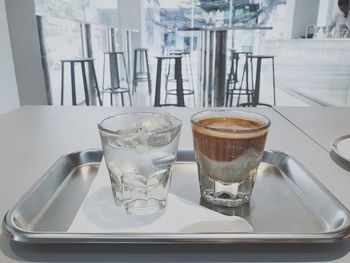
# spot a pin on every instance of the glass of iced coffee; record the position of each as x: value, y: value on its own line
x: 228, y: 146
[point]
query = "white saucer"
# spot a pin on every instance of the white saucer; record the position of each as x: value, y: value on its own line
x: 341, y: 147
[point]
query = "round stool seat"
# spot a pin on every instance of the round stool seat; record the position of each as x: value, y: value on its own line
x: 168, y: 57
x: 179, y: 53
x: 116, y: 90
x: 78, y: 60
x: 141, y: 49
x: 261, y: 56
x: 185, y: 92
x: 114, y: 53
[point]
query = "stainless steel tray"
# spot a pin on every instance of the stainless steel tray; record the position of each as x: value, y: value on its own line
x: 288, y: 205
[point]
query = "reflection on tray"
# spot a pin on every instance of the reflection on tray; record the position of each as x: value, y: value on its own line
x: 242, y: 211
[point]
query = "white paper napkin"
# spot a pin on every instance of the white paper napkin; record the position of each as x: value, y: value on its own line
x: 99, y: 214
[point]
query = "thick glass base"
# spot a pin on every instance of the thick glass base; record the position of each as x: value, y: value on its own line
x: 143, y: 206
x: 226, y: 194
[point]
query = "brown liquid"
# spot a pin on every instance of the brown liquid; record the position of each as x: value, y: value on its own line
x: 227, y: 137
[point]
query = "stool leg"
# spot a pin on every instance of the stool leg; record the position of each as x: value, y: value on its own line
x: 103, y: 76
x: 231, y: 99
x: 186, y: 67
x: 166, y: 83
x: 142, y: 69
x: 167, y: 77
x: 273, y: 81
x: 245, y: 72
x: 179, y: 86
x: 158, y: 82
x: 236, y: 69
x: 103, y: 72
x: 122, y: 98
x: 62, y: 82
x: 228, y: 84
x: 96, y: 84
x: 74, y: 97
x: 129, y: 98
x: 232, y: 75
x: 252, y: 81
x: 192, y: 83
x: 148, y: 75
x: 86, y: 90
x: 134, y: 75
x: 252, y: 70
x: 111, y: 98
x: 117, y: 70
x: 257, y: 83
x: 166, y: 97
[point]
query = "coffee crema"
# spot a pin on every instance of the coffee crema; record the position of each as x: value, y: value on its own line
x: 224, y: 139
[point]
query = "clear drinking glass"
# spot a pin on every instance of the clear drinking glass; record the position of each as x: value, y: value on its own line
x: 140, y: 150
x: 228, y: 148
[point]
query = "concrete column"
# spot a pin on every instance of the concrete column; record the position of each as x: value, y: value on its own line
x: 8, y: 88
x: 132, y: 17
x: 24, y: 38
x: 325, y: 12
x: 300, y: 14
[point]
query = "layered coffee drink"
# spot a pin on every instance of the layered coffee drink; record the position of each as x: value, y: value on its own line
x: 228, y: 146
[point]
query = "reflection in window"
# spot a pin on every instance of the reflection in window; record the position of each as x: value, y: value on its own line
x: 88, y: 11
x: 65, y: 36
x: 63, y: 40
x: 99, y: 45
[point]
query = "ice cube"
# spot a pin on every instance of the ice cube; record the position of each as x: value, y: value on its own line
x: 154, y: 132
x: 129, y: 141
x: 129, y: 138
x: 161, y: 130
x: 133, y: 128
x: 159, y: 123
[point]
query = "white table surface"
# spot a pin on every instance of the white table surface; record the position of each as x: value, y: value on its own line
x: 33, y: 137
x: 322, y: 124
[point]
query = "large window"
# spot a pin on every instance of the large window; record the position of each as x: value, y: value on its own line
x: 168, y: 21
x: 65, y: 37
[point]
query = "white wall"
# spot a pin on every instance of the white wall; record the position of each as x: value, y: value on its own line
x: 8, y: 87
x: 325, y: 12
x: 26, y: 51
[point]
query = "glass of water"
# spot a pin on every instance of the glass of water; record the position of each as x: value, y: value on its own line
x: 140, y: 150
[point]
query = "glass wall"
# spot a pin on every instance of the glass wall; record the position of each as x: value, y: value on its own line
x: 310, y: 69
x: 65, y: 37
x: 178, y: 25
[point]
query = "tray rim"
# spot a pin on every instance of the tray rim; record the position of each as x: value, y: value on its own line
x: 18, y: 234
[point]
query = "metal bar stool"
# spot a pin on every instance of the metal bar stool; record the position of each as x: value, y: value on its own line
x: 178, y: 78
x: 256, y: 87
x: 82, y: 62
x: 141, y: 71
x: 187, y: 77
x: 116, y: 87
x: 233, y: 79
